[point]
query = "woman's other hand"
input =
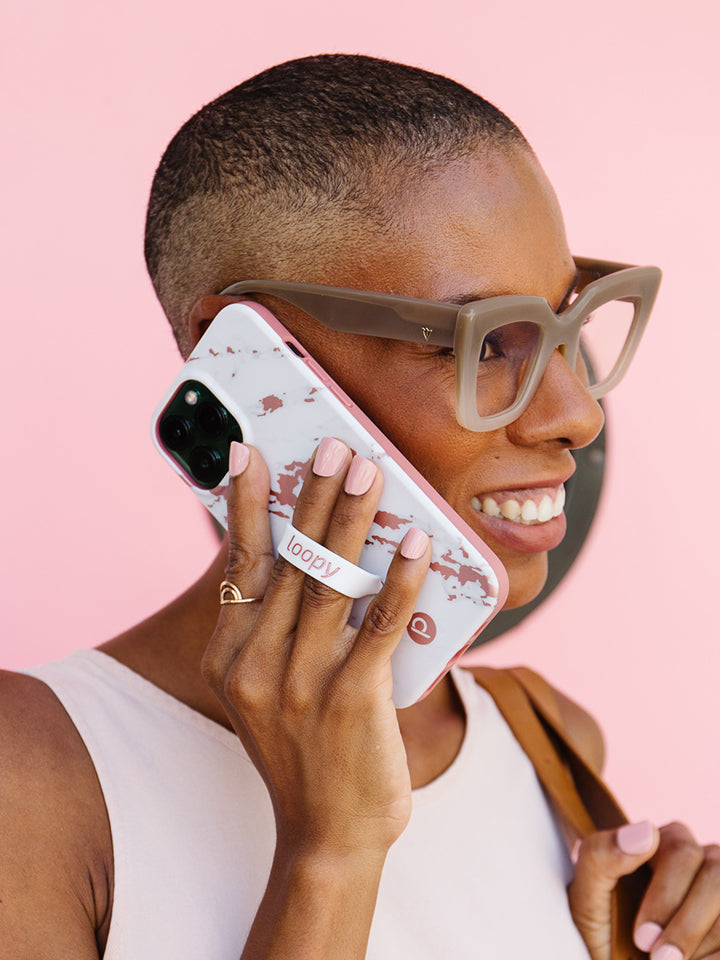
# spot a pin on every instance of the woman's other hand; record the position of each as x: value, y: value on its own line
x: 679, y: 917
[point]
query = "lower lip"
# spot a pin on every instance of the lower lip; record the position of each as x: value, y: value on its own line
x: 528, y: 538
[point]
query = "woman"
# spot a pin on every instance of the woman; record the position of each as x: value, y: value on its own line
x: 360, y: 174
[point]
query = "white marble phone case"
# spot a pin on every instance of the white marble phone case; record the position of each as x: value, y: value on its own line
x: 285, y: 404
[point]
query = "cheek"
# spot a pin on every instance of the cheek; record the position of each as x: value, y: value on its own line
x: 413, y: 403
x: 415, y: 408
x: 417, y: 413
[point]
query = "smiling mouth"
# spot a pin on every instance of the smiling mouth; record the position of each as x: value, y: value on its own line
x: 527, y: 507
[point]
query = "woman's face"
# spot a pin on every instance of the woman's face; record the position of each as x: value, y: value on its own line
x: 483, y: 227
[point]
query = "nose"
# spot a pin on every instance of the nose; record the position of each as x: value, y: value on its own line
x: 561, y: 411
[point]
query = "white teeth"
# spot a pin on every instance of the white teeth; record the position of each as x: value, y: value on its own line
x: 545, y: 509
x: 526, y: 511
x: 529, y: 511
x: 510, y: 510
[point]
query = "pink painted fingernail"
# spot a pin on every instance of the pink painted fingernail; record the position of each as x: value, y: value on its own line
x: 414, y: 544
x: 329, y: 458
x: 238, y: 459
x: 668, y: 952
x: 360, y: 476
x: 646, y: 935
x: 636, y: 838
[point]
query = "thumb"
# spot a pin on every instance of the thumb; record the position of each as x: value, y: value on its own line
x: 603, y: 858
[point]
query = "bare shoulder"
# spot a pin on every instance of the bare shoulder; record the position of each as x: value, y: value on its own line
x: 55, y: 844
x: 583, y: 730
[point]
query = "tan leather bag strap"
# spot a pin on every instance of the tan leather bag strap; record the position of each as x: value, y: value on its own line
x: 517, y: 709
x: 531, y: 711
x: 605, y: 812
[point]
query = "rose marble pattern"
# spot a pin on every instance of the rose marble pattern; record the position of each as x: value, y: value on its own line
x: 284, y: 409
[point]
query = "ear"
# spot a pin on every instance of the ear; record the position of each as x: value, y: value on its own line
x: 204, y: 312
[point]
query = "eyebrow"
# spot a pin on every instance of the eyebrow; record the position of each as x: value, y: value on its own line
x: 462, y: 299
x: 569, y: 292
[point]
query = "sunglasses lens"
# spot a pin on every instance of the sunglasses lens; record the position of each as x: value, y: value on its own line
x: 506, y: 356
x: 604, y: 335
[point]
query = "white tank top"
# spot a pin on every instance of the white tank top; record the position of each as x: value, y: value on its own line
x: 480, y: 872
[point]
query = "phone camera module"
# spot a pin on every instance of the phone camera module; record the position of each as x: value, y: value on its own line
x: 196, y: 430
x: 175, y: 433
x: 211, y: 419
x: 207, y: 466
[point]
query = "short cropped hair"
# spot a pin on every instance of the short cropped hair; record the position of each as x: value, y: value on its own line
x: 269, y: 178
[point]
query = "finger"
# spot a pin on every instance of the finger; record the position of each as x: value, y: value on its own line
x: 389, y: 612
x: 603, y: 858
x: 250, y: 558
x: 691, y: 927
x: 250, y: 552
x: 320, y: 489
x: 710, y: 945
x: 675, y: 865
x: 324, y: 611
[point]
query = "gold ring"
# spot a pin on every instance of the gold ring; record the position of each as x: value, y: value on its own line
x: 229, y: 593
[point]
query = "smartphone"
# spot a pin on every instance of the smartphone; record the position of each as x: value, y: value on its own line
x: 250, y: 380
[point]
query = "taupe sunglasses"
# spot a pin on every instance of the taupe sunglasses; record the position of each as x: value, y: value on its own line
x: 502, y: 345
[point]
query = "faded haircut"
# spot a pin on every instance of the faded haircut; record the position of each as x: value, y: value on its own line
x: 272, y: 178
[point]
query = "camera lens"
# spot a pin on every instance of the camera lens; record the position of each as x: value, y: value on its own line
x: 175, y: 432
x: 211, y: 419
x: 207, y: 466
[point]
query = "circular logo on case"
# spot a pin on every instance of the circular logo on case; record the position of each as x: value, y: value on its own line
x: 422, y: 627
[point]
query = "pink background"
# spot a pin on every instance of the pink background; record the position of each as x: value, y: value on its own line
x: 620, y: 104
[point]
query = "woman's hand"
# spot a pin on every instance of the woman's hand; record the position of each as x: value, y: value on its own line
x: 309, y: 698
x: 679, y: 917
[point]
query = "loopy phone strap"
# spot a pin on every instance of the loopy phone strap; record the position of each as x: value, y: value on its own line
x: 324, y: 565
